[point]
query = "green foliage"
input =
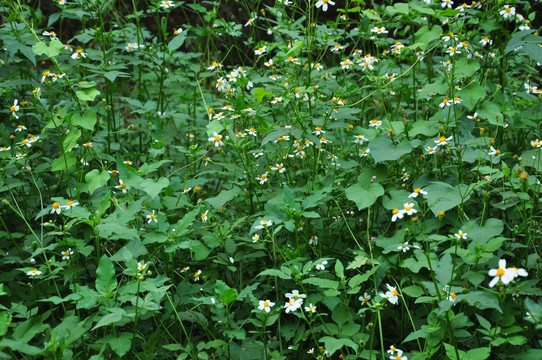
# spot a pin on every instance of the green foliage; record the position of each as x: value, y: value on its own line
x: 240, y: 180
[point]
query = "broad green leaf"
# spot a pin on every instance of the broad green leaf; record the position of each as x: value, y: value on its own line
x: 364, y: 195
x: 3, y: 323
x: 322, y: 283
x: 71, y: 140
x: 260, y: 93
x: 443, y: 272
x: 64, y: 162
x: 275, y: 272
x: 481, y: 300
x: 339, y: 269
x: 96, y: 179
x: 225, y: 294
x: 465, y: 67
x: 121, y: 344
x: 413, y: 291
x: 492, y: 112
x: 109, y: 319
x: 86, y: 84
x: 52, y: 50
x: 451, y: 353
x: 341, y: 314
x: 153, y: 188
x: 383, y: 149
x: 87, y: 121
x: 439, y: 86
x: 333, y: 344
x: 106, y: 281
x: 87, y: 95
x: 471, y: 95
x: 177, y: 41
x: 20, y: 346
x: 479, y: 354
x: 225, y: 196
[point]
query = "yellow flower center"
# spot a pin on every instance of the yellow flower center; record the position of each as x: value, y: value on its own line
x: 395, y: 292
x: 218, y: 138
x: 442, y: 138
x: 407, y: 208
x: 395, y: 211
x: 500, y: 272
x: 266, y: 303
x: 122, y: 186
x: 69, y: 203
x: 56, y: 205
x: 12, y: 108
x: 33, y: 271
x: 453, y: 295
x: 79, y: 51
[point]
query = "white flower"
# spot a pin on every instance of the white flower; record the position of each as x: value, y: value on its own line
x: 14, y: 108
x: 365, y: 298
x: 197, y: 274
x: 391, y: 294
x: 379, y: 30
x: 409, y: 208
x: 501, y: 273
x: 77, y: 53
x: 255, y: 238
x: 55, y: 208
x: 34, y: 272
x: 404, y: 247
x: 204, y: 217
x: 518, y: 272
x: 292, y: 305
x: 141, y: 266
x: 260, y: 50
x: 70, y: 204
x: 66, y: 254
x: 447, y: 3
x: 152, y: 218
x: 167, y: 4
x: 486, y: 41
x: 492, y: 151
x: 262, y: 178
x: 217, y: 139
x: 276, y: 100
x: 265, y: 305
x: 508, y: 12
x: 360, y: 139
x: 416, y: 192
x: 399, y: 356
x: 461, y: 235
x: 278, y: 167
x: 397, y: 214
x: 264, y: 224
x: 324, y: 4
x: 122, y: 186
x: 295, y: 295
x: 311, y: 308
x: 321, y: 265
x: 443, y: 140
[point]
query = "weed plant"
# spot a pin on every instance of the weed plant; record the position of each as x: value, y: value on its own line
x: 290, y: 180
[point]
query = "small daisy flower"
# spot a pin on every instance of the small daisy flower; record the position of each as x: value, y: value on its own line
x: 278, y: 167
x: 260, y: 50
x: 310, y: 309
x: 365, y: 298
x: 197, y: 274
x: 217, y: 139
x: 14, y: 108
x: 264, y: 224
x: 324, y: 4
x: 508, y: 12
x: 122, y: 186
x: 441, y: 141
x: 416, y: 192
x: 55, y: 208
x: 292, y: 305
x: 33, y: 272
x: 70, y: 204
x: 262, y: 178
x: 536, y: 143
x: 397, y: 214
x: 379, y: 30
x: 78, y: 53
x: 167, y: 4
x: 255, y: 238
x: 501, y: 273
x: 141, y: 266
x: 204, y: 217
x: 265, y: 305
x: 321, y: 265
x: 409, y: 209
x: 66, y: 254
x: 152, y: 217
x: 404, y: 247
x: 391, y: 295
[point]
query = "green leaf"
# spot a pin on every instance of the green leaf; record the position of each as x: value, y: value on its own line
x: 413, y: 291
x: 383, y: 149
x: 481, y: 300
x: 87, y: 95
x: 322, y: 283
x: 52, y: 50
x: 64, y: 162
x: 153, y: 188
x: 225, y: 195
x: 341, y: 314
x: 260, y: 93
x: 333, y: 344
x: 106, y: 281
x: 177, y: 41
x: 86, y: 84
x: 465, y: 67
x: 443, y: 197
x: 71, y: 140
x: 339, y: 269
x: 364, y: 195
x: 225, y: 294
x: 491, y: 112
x: 96, y: 179
x: 87, y: 121
x: 451, y: 353
x: 275, y: 272
x: 530, y: 354
x: 443, y: 272
x: 471, y: 95
x: 114, y: 74
x: 112, y: 318
x: 361, y: 278
x: 121, y: 344
x: 3, y: 323
x: 18, y: 345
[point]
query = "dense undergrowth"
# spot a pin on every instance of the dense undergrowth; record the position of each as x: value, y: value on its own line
x: 318, y: 179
